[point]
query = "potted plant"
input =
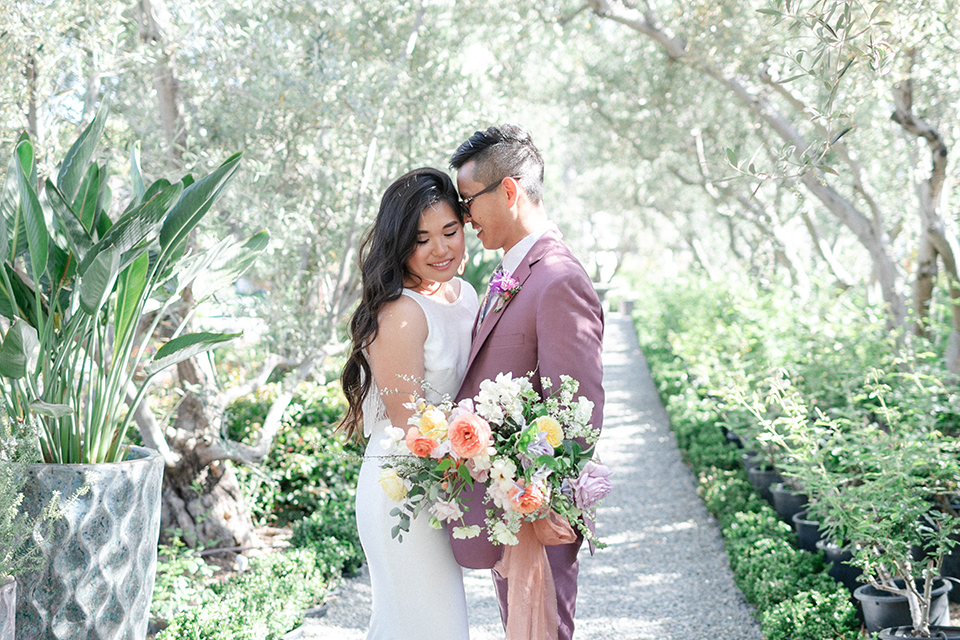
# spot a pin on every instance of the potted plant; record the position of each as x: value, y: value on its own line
x: 83, y: 289
x: 877, y: 483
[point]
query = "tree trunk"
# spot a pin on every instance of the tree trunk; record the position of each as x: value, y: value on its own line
x: 154, y: 21
x: 935, y: 240
x: 202, y: 497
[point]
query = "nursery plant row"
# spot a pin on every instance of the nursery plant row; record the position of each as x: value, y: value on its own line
x: 858, y: 424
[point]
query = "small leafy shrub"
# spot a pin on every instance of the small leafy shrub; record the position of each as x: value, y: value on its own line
x: 263, y: 603
x: 812, y: 615
x: 770, y: 570
x: 181, y: 579
x: 726, y: 493
x: 744, y: 529
x: 331, y: 532
x: 310, y: 463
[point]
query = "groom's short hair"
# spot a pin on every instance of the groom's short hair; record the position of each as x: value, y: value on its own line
x: 503, y: 151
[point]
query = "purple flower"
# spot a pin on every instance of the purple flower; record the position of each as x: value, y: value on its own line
x: 592, y: 485
x: 537, y: 448
x: 503, y: 286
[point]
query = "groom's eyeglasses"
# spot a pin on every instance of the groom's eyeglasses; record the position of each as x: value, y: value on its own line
x: 466, y: 202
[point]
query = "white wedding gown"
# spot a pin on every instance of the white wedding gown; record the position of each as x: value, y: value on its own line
x: 417, y: 585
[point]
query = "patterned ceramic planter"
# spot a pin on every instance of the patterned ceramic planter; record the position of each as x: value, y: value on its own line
x: 101, y: 559
x: 8, y: 608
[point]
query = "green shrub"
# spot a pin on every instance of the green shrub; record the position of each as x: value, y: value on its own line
x: 770, y: 570
x: 310, y: 463
x: 812, y: 615
x: 744, y: 529
x: 331, y: 532
x: 727, y: 492
x: 263, y: 603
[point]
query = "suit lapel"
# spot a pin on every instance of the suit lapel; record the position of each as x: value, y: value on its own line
x: 537, y: 251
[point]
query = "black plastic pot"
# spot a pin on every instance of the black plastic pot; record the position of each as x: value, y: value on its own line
x: 787, y: 502
x: 883, y: 610
x: 808, y: 531
x: 762, y: 479
x: 838, y: 557
x: 751, y: 460
x: 936, y: 633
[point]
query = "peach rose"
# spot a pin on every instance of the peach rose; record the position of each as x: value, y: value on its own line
x: 530, y: 500
x: 469, y: 435
x: 552, y: 428
x: 420, y: 445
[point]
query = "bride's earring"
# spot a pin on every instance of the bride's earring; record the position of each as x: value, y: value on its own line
x: 463, y: 264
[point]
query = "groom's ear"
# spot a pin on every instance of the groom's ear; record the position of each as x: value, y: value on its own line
x: 511, y: 188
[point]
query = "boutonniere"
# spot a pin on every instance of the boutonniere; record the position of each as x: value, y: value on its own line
x: 504, y: 286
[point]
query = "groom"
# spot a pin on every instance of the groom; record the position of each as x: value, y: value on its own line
x: 553, y: 325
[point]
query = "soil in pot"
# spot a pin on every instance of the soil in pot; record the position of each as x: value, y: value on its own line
x: 838, y: 557
x: 808, y: 532
x: 762, y: 478
x: 787, y: 502
x: 884, y: 610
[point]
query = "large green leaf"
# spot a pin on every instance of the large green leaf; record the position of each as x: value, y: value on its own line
x: 136, y: 175
x: 77, y: 239
x: 36, y: 227
x: 179, y: 349
x: 75, y: 163
x: 195, y: 202
x: 20, y: 302
x: 228, y: 264
x: 130, y: 288
x: 97, y: 281
x: 136, y: 226
x: 51, y: 410
x: 9, y: 204
x: 20, y: 351
x: 87, y: 198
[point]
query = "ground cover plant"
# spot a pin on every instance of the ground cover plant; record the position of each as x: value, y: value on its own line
x: 307, y: 486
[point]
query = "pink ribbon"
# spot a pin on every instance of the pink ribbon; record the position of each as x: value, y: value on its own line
x: 531, y: 593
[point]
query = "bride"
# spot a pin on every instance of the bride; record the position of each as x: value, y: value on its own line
x: 413, y: 324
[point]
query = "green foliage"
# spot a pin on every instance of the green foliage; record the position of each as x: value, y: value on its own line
x: 726, y: 493
x: 182, y: 578
x: 812, y: 615
x: 771, y: 570
x: 331, y: 532
x: 75, y: 283
x: 310, y: 465
x: 262, y: 603
x: 19, y: 533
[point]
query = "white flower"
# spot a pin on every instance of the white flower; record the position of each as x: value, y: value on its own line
x: 435, y: 523
x: 463, y: 533
x: 503, y: 535
x: 503, y: 469
x: 392, y: 437
x: 441, y: 450
x: 446, y: 510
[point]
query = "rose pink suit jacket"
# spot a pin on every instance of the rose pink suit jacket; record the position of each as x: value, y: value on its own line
x: 553, y: 326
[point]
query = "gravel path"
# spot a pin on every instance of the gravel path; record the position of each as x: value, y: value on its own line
x: 664, y: 574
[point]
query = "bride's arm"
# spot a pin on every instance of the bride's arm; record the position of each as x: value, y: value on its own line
x: 396, y: 357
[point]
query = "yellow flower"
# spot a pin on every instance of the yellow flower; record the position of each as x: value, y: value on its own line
x: 552, y: 428
x: 433, y: 424
x: 393, y: 485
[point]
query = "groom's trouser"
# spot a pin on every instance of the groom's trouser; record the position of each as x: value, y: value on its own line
x: 565, y: 567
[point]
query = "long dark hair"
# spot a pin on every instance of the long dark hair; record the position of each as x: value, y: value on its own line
x: 384, y: 252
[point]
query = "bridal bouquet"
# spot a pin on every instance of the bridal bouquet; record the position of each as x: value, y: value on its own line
x: 534, y: 455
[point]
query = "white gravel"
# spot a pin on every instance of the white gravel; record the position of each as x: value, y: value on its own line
x: 664, y: 574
